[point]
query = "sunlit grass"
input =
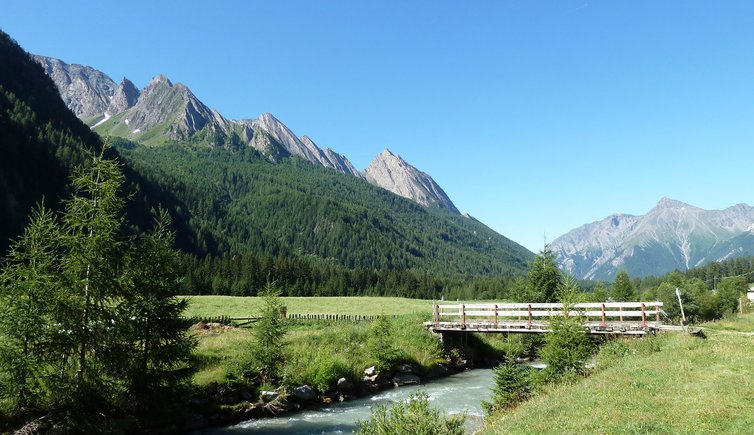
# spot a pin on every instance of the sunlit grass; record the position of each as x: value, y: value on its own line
x: 235, y: 306
x: 316, y: 352
x: 679, y: 384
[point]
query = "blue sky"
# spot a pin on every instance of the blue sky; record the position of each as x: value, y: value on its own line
x: 535, y: 116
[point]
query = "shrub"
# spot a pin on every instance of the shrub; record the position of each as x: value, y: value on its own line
x: 267, y: 350
x: 567, y: 346
x: 412, y: 417
x: 512, y: 385
x: 380, y: 344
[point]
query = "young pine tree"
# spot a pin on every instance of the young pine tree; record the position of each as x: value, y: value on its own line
x: 153, y: 347
x: 28, y: 288
x: 567, y: 345
x: 93, y: 248
x: 267, y: 350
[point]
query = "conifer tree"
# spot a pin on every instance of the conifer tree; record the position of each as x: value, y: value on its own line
x: 90, y: 265
x: 623, y: 290
x: 268, y: 333
x: 544, y: 277
x: 154, y: 347
x: 27, y: 299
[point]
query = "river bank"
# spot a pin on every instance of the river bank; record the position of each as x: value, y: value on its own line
x: 458, y: 393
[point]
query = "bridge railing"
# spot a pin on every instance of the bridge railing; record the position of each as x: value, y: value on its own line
x: 602, y: 312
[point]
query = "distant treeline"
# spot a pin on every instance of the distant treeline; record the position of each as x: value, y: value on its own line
x: 246, y: 275
x: 711, y: 274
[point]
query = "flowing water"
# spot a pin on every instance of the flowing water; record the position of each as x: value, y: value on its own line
x: 463, y: 392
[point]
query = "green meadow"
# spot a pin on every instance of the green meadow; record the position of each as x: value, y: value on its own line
x: 240, y: 306
x: 672, y: 383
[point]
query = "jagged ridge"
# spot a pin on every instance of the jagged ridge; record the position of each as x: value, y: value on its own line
x: 164, y: 112
x: 671, y: 235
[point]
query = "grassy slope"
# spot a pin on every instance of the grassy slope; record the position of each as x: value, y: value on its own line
x: 690, y: 385
x: 310, y: 342
x: 208, y: 306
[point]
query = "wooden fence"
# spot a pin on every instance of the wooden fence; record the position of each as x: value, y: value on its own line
x: 536, y: 315
x: 243, y: 321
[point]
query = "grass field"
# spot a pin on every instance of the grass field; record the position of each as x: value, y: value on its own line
x: 674, y: 384
x: 234, y: 306
x: 316, y: 352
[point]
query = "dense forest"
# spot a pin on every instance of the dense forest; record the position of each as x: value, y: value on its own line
x: 237, y: 203
x: 312, y: 229
x: 40, y: 140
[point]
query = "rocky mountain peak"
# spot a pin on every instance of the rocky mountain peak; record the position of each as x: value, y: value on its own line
x: 669, y: 203
x: 85, y: 90
x: 125, y: 97
x: 165, y: 111
x: 161, y: 79
x: 393, y: 173
x: 672, y: 235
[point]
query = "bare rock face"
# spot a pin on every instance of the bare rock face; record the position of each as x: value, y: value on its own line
x: 125, y: 97
x: 330, y: 159
x: 164, y: 111
x: 172, y: 108
x: 392, y: 173
x: 285, y: 137
x: 673, y: 235
x: 85, y: 90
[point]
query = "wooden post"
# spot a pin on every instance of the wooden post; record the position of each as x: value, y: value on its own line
x: 643, y: 317
x: 657, y: 315
x: 437, y: 315
x: 603, y: 316
x: 495, y: 316
x: 463, y: 316
x: 619, y: 309
x: 529, y: 316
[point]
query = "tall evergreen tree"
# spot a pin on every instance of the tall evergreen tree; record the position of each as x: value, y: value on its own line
x: 154, y: 347
x: 92, y: 222
x: 27, y: 300
x: 268, y: 337
x: 544, y: 277
x: 623, y: 290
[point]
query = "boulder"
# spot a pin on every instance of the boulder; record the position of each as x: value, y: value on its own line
x: 304, y: 393
x: 439, y: 371
x: 406, y: 368
x: 401, y: 379
x: 228, y: 395
x: 269, y: 396
x: 371, y: 371
x: 371, y: 379
x: 246, y: 395
x: 344, y: 385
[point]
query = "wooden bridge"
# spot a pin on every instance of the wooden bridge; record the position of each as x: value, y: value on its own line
x: 624, y: 318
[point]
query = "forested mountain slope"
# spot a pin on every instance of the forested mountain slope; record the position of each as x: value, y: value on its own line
x: 40, y: 139
x: 232, y: 200
x: 237, y: 202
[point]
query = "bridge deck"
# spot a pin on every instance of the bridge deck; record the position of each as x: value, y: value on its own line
x: 617, y: 318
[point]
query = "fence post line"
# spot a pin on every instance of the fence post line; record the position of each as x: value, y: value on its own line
x: 603, y: 316
x: 437, y: 314
x: 643, y: 317
x: 463, y: 316
x: 495, y: 315
x: 621, y: 310
x: 529, y: 316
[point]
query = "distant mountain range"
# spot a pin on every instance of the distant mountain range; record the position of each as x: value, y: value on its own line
x: 236, y: 188
x: 163, y: 112
x: 673, y: 235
